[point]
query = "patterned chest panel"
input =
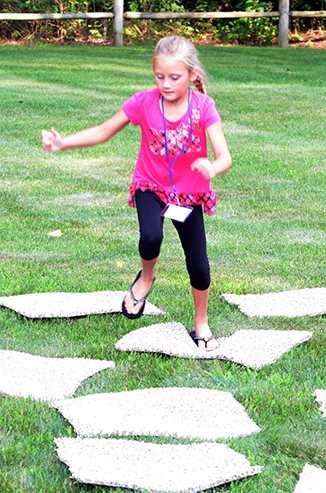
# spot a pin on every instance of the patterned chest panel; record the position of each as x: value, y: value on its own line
x: 176, y: 139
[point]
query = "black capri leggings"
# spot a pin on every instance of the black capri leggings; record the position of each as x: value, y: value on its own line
x: 191, y: 233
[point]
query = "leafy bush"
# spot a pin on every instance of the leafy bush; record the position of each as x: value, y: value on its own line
x: 257, y: 31
x: 46, y: 30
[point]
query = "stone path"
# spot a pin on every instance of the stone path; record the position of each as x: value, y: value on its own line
x: 58, y: 305
x: 152, y: 467
x: 176, y: 412
x: 25, y: 375
x: 321, y: 399
x: 251, y: 348
x: 312, y: 480
x: 294, y: 303
x: 170, y: 412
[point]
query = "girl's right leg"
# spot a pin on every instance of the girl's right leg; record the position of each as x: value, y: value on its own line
x: 149, y: 208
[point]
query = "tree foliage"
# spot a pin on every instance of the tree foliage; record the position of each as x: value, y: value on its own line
x: 151, y: 5
x: 247, y: 30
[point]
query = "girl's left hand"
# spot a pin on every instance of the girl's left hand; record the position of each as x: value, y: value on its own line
x: 204, y: 166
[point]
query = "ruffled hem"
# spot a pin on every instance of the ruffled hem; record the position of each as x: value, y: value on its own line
x: 207, y: 199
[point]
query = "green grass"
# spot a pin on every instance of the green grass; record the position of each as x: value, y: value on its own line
x: 268, y: 235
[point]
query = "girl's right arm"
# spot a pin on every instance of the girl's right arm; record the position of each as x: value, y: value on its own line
x: 52, y: 141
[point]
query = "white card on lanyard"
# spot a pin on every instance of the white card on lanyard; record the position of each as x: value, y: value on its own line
x: 177, y: 212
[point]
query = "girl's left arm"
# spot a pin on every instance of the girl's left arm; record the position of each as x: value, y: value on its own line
x: 222, y: 161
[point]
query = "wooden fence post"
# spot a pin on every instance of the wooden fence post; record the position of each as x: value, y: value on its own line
x: 118, y: 22
x: 283, y: 25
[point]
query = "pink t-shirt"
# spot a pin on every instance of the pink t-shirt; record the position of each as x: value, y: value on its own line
x: 143, y: 109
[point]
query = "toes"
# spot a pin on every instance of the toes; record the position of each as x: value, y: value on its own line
x: 132, y: 308
x: 136, y: 308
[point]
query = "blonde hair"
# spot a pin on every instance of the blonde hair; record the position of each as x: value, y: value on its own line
x: 184, y: 51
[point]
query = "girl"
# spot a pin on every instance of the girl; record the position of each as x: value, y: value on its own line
x: 172, y: 174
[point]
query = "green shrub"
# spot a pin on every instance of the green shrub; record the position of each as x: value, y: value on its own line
x: 248, y: 30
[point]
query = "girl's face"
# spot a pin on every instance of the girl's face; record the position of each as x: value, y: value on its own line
x: 172, y: 78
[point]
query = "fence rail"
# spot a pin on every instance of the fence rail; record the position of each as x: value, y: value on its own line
x: 197, y: 15
x: 138, y: 15
x: 118, y: 15
x: 159, y: 15
x: 308, y: 13
x: 60, y: 17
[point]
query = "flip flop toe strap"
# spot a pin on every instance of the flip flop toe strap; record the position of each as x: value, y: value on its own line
x: 135, y: 302
x: 204, y: 339
x: 207, y: 339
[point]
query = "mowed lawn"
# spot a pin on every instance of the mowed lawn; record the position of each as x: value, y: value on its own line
x: 269, y: 235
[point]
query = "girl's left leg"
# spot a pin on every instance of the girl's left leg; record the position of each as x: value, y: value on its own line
x: 193, y: 240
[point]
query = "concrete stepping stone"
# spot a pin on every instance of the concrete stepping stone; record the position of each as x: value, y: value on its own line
x: 25, y: 375
x: 321, y: 399
x: 178, y: 412
x: 294, y: 303
x: 152, y: 467
x: 58, y: 305
x: 312, y: 480
x: 251, y: 348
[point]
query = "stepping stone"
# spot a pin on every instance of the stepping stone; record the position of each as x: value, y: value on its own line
x: 152, y: 467
x: 258, y: 348
x: 295, y: 303
x: 25, y: 375
x: 178, y: 412
x: 312, y: 480
x: 58, y: 305
x: 251, y: 348
x: 170, y: 338
x: 321, y: 399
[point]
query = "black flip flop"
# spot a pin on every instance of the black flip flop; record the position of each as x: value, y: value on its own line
x: 133, y: 316
x: 196, y: 338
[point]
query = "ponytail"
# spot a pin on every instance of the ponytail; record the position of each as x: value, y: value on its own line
x: 198, y: 82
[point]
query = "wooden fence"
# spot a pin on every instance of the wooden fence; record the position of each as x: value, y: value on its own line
x: 118, y: 16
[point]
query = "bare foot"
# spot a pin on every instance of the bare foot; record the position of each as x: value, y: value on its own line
x: 140, y: 289
x: 203, y: 330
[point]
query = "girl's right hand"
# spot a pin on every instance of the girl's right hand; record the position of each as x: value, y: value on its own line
x: 52, y: 141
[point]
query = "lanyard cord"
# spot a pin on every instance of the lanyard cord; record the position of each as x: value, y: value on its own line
x: 183, y: 148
